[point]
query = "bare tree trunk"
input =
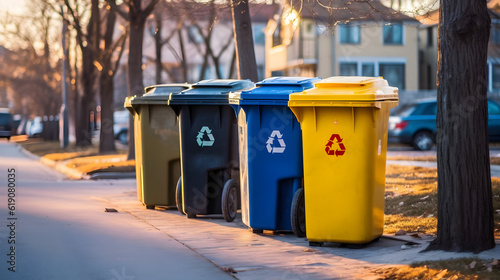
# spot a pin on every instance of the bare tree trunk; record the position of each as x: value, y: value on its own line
x: 183, y: 56
x: 158, y: 47
x: 465, y: 210
x: 107, y: 139
x: 86, y: 102
x: 106, y: 89
x: 243, y: 40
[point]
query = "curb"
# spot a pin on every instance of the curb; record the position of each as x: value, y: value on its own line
x: 69, y: 172
x: 112, y: 175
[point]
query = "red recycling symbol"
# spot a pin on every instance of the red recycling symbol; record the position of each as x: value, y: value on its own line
x: 335, y: 138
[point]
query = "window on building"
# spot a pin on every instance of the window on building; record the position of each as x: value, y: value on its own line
x: 349, y: 34
x: 495, y: 33
x: 495, y: 77
x: 277, y: 40
x: 258, y: 34
x: 348, y: 69
x: 393, y: 34
x: 368, y: 69
x: 194, y: 35
x: 430, y: 36
x: 393, y: 73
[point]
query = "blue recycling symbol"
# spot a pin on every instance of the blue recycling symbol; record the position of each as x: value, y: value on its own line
x: 205, y: 143
x: 270, y: 143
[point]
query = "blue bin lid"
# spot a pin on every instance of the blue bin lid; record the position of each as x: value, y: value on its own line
x: 272, y: 91
x: 209, y: 92
x: 158, y: 94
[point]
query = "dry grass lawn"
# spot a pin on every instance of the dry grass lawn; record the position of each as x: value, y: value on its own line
x: 466, y: 269
x: 87, y: 160
x: 411, y: 205
x: 411, y: 200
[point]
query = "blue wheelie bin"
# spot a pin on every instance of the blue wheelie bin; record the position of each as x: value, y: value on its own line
x: 209, y: 182
x: 270, y: 144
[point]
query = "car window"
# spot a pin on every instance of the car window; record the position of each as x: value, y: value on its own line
x: 430, y: 109
x: 493, y: 108
x: 4, y: 118
x: 405, y: 110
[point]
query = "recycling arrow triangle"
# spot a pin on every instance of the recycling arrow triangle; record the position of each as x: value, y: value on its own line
x: 275, y: 135
x: 199, y: 138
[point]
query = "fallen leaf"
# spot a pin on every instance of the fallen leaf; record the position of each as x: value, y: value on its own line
x: 309, y: 250
x: 229, y: 269
x: 494, y: 262
x: 415, y: 235
x: 424, y: 198
x: 472, y: 265
x: 441, y: 274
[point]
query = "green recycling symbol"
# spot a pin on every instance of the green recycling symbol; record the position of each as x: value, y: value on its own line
x: 201, y: 134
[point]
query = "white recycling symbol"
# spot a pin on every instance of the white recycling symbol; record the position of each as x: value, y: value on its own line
x: 269, y: 144
x: 201, y: 133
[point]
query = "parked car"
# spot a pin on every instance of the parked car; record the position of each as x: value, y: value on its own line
x: 120, y: 126
x: 415, y: 124
x: 5, y: 123
x: 34, y: 127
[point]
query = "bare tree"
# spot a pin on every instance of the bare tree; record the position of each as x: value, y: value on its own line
x: 465, y: 209
x: 32, y: 69
x: 88, y: 39
x: 136, y: 15
x: 108, y: 66
x: 243, y: 40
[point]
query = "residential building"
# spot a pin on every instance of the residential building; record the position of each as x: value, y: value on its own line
x: 354, y: 38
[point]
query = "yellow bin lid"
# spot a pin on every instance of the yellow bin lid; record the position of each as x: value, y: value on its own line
x: 346, y: 89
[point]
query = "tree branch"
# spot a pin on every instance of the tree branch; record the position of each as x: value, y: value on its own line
x: 117, y: 10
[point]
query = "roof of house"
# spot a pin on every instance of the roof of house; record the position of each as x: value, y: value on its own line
x: 342, y: 11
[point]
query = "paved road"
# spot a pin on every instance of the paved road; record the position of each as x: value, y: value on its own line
x: 62, y: 232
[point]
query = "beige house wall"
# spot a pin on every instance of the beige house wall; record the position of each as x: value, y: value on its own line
x: 372, y: 48
x: 329, y: 53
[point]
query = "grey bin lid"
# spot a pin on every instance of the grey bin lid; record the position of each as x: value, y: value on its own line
x: 158, y: 94
x: 209, y: 92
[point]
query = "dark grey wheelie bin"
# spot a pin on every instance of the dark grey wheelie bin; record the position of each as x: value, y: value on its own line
x: 209, y: 182
x: 156, y: 145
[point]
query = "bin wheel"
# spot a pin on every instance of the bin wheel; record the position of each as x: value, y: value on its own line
x: 150, y: 207
x: 178, y: 196
x: 315, y: 244
x: 230, y: 200
x: 191, y: 216
x: 298, y: 215
x: 257, y: 231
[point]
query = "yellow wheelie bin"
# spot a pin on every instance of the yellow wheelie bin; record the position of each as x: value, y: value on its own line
x: 157, y: 152
x: 344, y: 122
